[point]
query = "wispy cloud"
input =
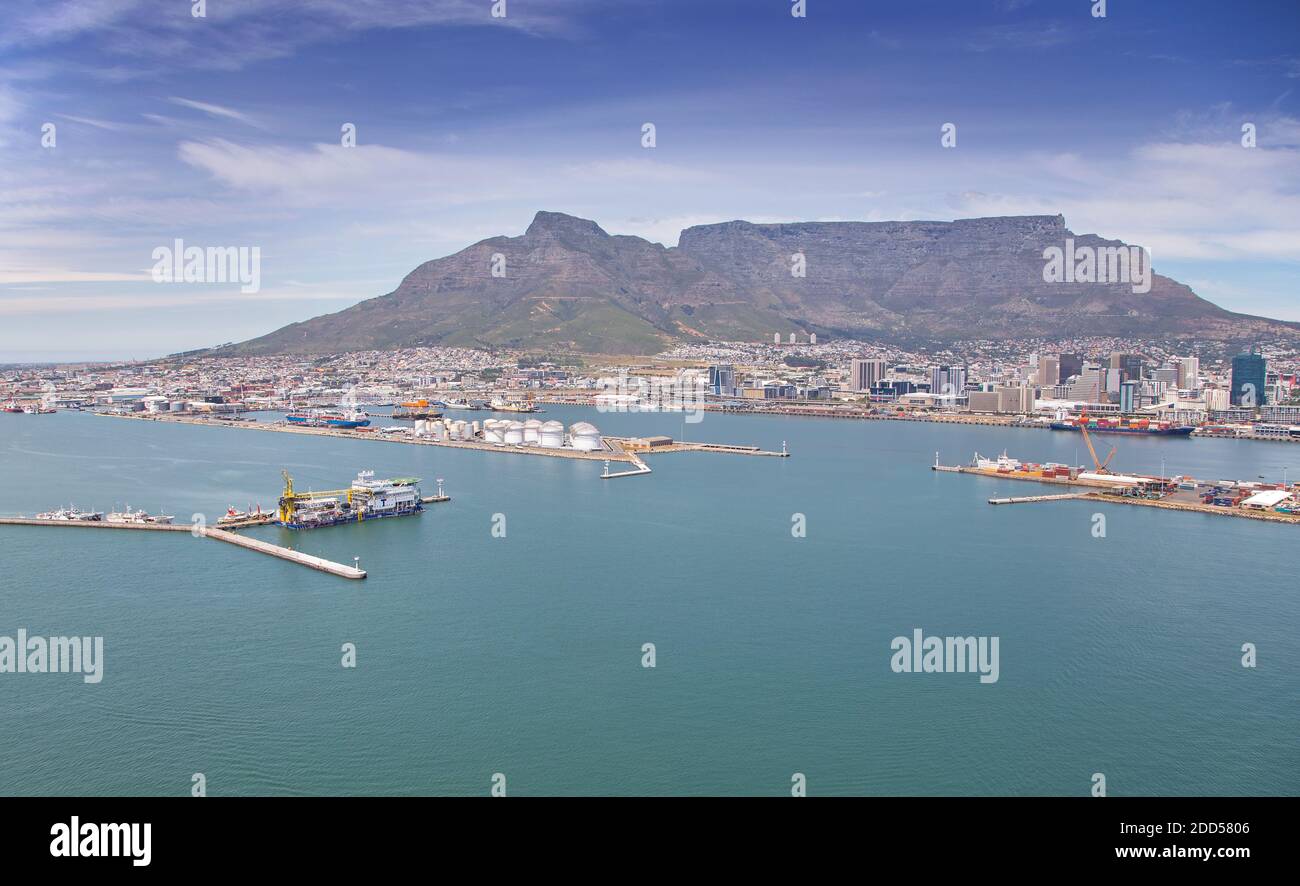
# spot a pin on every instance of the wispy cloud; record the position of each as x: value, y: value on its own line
x: 214, y: 110
x: 108, y: 125
x: 236, y: 33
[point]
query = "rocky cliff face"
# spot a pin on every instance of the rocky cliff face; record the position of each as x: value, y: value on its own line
x: 568, y: 284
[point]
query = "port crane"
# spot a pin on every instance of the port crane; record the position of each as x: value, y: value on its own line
x: 1102, y: 466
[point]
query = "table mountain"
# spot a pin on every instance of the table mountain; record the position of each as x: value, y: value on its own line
x: 568, y: 285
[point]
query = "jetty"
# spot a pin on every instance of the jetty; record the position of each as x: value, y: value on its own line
x: 262, y: 547
x: 640, y: 468
x: 1029, y: 499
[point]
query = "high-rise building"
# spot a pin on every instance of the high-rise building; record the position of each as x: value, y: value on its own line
x: 1088, y: 387
x: 1189, y: 373
x: 949, y: 380
x: 722, y: 379
x: 1131, y: 365
x: 1248, y: 374
x: 864, y: 374
x: 1049, y: 371
x: 1015, y: 399
x: 1167, y: 374
x: 1070, y: 365
x: 1128, y: 392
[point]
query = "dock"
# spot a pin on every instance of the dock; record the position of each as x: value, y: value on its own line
x: 611, y: 450
x: 1113, y: 493
x: 298, y: 557
x: 640, y: 469
x: 251, y: 544
x: 1029, y: 499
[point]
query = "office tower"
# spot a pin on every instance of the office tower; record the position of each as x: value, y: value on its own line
x: 1049, y: 371
x: 864, y: 374
x: 722, y: 379
x: 1070, y: 365
x: 1131, y: 365
x: 1128, y: 397
x: 948, y: 380
x: 1189, y: 373
x: 1168, y: 374
x: 1248, y: 373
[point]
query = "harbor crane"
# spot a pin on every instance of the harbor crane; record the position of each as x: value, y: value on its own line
x: 1102, y: 466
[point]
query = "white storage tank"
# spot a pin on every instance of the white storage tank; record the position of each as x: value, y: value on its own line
x: 551, y: 434
x: 514, y: 433
x: 477, y: 428
x: 584, y: 436
x: 532, y: 432
x: 492, y: 431
x: 421, y: 428
x: 439, y: 430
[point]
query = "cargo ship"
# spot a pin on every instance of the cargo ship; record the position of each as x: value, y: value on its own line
x: 325, y: 419
x: 1140, y: 426
x: 366, y: 499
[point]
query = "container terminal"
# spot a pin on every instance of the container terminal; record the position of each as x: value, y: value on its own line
x: 1279, y: 502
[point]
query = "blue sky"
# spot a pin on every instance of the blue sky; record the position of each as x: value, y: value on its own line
x: 225, y: 131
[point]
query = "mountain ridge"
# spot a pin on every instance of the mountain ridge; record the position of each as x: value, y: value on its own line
x: 566, y: 283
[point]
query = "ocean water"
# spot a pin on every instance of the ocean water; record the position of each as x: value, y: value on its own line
x: 522, y: 654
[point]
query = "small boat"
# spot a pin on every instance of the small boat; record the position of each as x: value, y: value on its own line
x: 234, y: 515
x: 12, y: 406
x: 500, y: 404
x: 130, y: 516
x: 462, y: 404
x: 71, y: 514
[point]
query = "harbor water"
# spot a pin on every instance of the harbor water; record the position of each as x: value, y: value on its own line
x: 503, y: 631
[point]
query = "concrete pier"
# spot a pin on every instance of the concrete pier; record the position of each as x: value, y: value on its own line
x: 285, y: 554
x: 1029, y: 499
x: 207, y: 532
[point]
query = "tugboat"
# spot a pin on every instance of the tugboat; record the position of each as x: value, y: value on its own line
x: 415, y: 410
